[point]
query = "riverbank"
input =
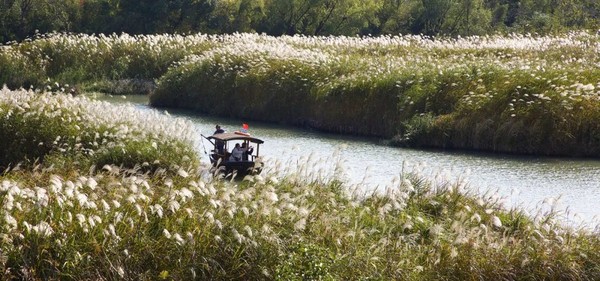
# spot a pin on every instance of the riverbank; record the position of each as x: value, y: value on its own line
x: 178, y: 222
x: 67, y: 133
x: 369, y: 164
x: 519, y: 94
x: 511, y: 94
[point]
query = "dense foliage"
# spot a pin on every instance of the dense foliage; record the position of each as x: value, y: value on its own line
x: 102, y: 192
x: 114, y: 225
x: 20, y: 19
x: 89, y: 62
x: 78, y: 223
x: 66, y: 132
x: 517, y: 94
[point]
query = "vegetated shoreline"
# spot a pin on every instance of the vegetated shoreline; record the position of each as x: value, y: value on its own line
x: 517, y: 94
x: 63, y: 219
x: 73, y: 133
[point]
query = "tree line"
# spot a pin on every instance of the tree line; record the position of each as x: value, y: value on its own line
x: 20, y: 19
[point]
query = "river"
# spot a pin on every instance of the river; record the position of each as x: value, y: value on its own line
x: 532, y: 183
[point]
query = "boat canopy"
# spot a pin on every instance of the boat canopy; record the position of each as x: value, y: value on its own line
x: 235, y: 136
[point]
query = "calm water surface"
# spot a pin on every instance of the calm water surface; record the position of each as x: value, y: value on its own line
x: 528, y: 182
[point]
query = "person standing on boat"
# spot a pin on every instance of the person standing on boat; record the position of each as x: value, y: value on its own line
x: 247, y: 151
x: 218, y: 130
x: 219, y: 145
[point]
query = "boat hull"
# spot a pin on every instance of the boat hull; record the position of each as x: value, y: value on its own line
x: 239, y: 169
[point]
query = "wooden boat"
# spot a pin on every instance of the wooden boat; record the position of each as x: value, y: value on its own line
x: 248, y: 163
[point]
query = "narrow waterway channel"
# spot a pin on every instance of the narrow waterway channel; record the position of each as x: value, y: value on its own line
x: 533, y: 183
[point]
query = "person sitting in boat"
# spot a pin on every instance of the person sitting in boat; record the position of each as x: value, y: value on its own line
x: 247, y: 151
x: 237, y: 153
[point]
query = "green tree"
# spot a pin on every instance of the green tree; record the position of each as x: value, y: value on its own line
x: 286, y: 16
x: 338, y: 17
x: 467, y: 17
x: 23, y: 18
x: 430, y: 16
x: 98, y: 16
x: 7, y: 17
x: 191, y: 16
x: 390, y: 16
x: 143, y: 17
x: 315, y: 17
x: 572, y: 13
x: 499, y: 13
x: 20, y: 19
x: 237, y: 15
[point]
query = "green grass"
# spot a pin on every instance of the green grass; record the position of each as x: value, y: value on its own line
x: 525, y: 95
x: 79, y: 59
x: 77, y: 215
x: 514, y: 94
x: 66, y: 132
x: 161, y: 226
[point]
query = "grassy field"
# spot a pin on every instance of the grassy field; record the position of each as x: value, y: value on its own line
x: 514, y: 94
x: 76, y: 214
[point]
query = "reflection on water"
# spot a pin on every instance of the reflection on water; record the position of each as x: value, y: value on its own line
x: 523, y: 181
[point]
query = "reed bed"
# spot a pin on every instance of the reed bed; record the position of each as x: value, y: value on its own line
x: 515, y: 94
x: 112, y: 224
x: 57, y: 129
x: 180, y: 222
x: 89, y: 61
x: 521, y: 94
